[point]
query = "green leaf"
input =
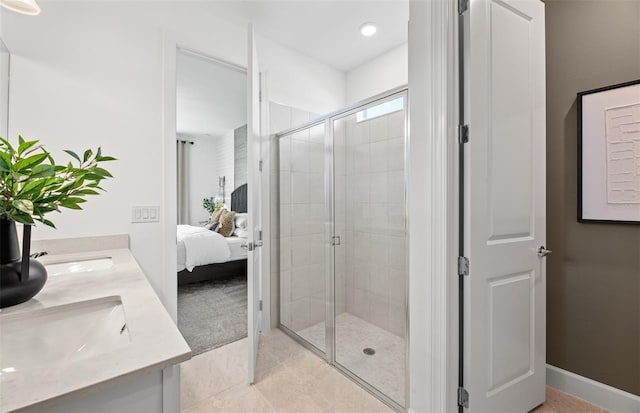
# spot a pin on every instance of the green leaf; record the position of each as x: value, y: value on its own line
x: 105, y: 158
x: 4, y: 164
x: 73, y: 154
x: 33, y: 186
x: 76, y: 200
x: 49, y: 223
x: 23, y: 218
x: 31, y: 161
x: 69, y: 205
x: 102, y: 172
x: 93, y: 177
x: 25, y: 145
x: 6, y: 143
x: 88, y: 192
x: 87, y: 155
x: 19, y: 177
x: 35, y: 148
x: 23, y: 205
x: 41, y: 171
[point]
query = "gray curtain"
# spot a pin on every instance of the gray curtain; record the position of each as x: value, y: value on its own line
x: 183, y: 150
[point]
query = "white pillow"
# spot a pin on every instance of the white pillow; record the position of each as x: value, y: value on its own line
x: 241, y: 233
x: 241, y: 221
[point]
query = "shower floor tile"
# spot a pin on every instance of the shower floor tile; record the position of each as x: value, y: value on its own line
x: 384, y: 370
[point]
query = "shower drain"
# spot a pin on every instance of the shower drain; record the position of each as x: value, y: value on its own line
x: 369, y: 351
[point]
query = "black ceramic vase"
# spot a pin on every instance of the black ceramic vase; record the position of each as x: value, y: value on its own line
x: 21, y: 278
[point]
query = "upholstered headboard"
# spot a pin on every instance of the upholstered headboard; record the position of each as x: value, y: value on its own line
x: 239, y: 199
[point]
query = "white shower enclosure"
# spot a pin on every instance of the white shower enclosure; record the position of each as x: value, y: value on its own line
x: 343, y: 264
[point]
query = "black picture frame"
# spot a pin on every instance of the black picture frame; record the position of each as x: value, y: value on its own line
x: 580, y: 106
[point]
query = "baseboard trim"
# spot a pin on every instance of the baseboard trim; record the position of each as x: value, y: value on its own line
x: 594, y: 392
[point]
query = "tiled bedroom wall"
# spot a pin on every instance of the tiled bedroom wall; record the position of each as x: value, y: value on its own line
x: 240, y: 156
x: 373, y: 209
x: 224, y: 165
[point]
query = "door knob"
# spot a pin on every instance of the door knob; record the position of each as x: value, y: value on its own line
x: 543, y: 252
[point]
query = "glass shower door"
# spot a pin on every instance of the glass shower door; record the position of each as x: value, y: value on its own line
x: 303, y: 226
x: 370, y: 261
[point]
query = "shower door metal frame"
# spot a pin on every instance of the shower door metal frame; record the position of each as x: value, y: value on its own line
x: 329, y: 185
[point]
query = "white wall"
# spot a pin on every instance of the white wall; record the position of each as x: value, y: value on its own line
x: 384, y: 72
x: 370, y: 216
x: 203, y: 181
x: 88, y: 74
x: 321, y: 89
x: 4, y: 91
x: 302, y: 230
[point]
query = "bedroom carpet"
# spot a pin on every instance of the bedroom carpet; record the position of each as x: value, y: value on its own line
x: 213, y: 313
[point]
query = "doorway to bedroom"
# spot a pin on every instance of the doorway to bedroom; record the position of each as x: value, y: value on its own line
x: 211, y: 147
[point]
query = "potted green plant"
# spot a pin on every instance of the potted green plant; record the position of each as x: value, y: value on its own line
x: 211, y: 206
x: 32, y: 186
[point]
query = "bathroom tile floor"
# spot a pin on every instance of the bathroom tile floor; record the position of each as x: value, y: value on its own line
x: 384, y: 370
x: 289, y: 378
x: 292, y: 379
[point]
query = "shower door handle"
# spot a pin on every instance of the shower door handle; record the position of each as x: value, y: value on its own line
x: 335, y: 241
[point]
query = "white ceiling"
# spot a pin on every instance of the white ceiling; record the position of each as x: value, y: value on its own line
x: 211, y: 98
x: 328, y: 31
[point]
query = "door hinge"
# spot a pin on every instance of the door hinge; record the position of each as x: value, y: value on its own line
x: 463, y: 5
x: 463, y: 266
x: 463, y: 397
x: 463, y: 134
x: 260, y: 305
x: 260, y: 165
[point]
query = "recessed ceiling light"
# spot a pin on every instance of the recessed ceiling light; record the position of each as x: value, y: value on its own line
x: 368, y: 29
x: 28, y: 7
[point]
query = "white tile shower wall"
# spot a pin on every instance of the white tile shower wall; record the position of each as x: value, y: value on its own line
x: 299, y: 263
x: 374, y: 210
x: 303, y: 237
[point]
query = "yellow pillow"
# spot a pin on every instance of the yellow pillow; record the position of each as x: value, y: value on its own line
x: 226, y: 223
x: 215, y: 217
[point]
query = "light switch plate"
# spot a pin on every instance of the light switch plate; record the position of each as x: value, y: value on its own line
x: 143, y: 214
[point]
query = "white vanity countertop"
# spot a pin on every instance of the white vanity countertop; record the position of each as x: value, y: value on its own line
x: 155, y: 343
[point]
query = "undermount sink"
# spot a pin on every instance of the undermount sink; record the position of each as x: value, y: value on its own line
x: 62, y: 334
x: 78, y: 266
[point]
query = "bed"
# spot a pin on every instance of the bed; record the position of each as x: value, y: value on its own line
x: 227, y: 252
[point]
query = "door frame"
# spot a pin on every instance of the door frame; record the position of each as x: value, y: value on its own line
x: 434, y: 102
x: 168, y: 291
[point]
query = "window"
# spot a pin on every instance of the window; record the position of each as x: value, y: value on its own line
x: 380, y: 110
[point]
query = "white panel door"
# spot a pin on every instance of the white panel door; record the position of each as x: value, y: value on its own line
x: 504, y: 207
x: 253, y: 204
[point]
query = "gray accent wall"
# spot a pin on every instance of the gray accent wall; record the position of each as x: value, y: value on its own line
x: 593, y: 275
x: 240, y: 156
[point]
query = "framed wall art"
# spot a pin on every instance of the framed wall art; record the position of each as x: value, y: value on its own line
x: 609, y: 154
